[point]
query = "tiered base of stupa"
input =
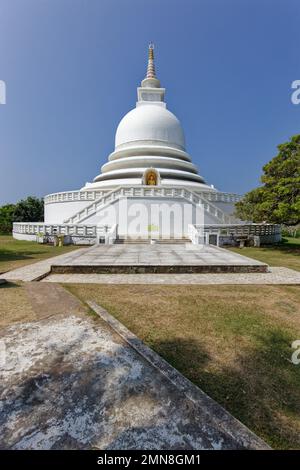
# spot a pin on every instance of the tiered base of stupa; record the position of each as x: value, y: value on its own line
x: 140, y: 212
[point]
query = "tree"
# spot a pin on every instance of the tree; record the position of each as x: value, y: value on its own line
x: 26, y: 210
x: 6, y: 218
x: 278, y: 199
x: 29, y: 210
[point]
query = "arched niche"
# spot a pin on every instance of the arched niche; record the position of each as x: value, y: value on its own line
x: 151, y: 177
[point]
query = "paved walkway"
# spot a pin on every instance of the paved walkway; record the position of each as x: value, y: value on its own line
x: 134, y: 255
x: 68, y: 381
x: 34, y: 271
x: 176, y: 253
x: 276, y: 276
x: 157, y: 255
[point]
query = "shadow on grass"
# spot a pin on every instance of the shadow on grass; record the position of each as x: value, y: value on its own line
x: 8, y: 285
x: 285, y: 246
x: 261, y: 389
x: 9, y: 255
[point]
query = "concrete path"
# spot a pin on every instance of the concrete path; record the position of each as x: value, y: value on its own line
x: 176, y: 253
x: 135, y: 255
x: 34, y: 271
x: 275, y: 276
x: 68, y: 381
x: 157, y: 255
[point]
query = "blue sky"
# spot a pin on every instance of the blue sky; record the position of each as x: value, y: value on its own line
x: 71, y: 69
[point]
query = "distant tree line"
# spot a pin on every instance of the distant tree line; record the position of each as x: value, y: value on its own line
x: 30, y: 209
x: 278, y: 199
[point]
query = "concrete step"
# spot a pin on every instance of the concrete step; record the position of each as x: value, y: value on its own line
x: 126, y: 241
x: 174, y: 240
x: 147, y: 241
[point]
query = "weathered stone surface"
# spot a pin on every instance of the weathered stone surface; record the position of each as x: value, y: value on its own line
x: 274, y: 276
x: 158, y: 258
x: 69, y: 382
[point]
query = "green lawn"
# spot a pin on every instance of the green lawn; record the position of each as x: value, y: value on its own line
x: 17, y: 253
x: 285, y: 254
x: 234, y: 342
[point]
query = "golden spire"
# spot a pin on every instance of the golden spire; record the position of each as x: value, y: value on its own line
x: 151, y: 66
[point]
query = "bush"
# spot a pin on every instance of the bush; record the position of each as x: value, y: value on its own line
x: 6, y: 218
x: 26, y: 210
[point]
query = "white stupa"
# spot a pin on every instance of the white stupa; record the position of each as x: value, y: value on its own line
x: 149, y: 136
x: 149, y: 168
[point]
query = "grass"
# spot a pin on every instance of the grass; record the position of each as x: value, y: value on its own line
x: 234, y: 342
x: 285, y: 254
x: 17, y: 253
x: 15, y: 305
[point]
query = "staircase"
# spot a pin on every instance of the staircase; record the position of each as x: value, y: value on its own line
x: 139, y: 191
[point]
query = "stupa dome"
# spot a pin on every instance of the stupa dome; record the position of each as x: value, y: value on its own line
x: 150, y: 123
x: 149, y: 137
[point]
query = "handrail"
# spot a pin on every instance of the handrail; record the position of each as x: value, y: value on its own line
x: 73, y: 196
x: 92, y: 195
x: 33, y: 228
x: 149, y: 191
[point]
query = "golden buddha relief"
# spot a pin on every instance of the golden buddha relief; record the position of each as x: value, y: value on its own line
x: 151, y: 179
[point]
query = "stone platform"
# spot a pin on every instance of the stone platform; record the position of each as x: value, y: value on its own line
x: 157, y: 258
x: 276, y: 276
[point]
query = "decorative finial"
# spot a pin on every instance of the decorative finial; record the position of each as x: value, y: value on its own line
x: 151, y: 66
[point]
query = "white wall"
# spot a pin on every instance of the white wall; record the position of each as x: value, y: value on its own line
x: 156, y: 216
x: 24, y: 236
x: 57, y: 212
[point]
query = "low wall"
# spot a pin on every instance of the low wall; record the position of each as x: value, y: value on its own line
x: 221, y: 235
x: 263, y: 240
x: 70, y: 239
x: 24, y: 236
x: 73, y: 234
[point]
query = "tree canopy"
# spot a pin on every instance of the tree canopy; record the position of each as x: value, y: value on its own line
x: 29, y: 210
x: 26, y: 210
x: 278, y: 199
x: 6, y: 217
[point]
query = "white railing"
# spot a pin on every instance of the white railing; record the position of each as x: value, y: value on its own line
x: 147, y: 191
x: 221, y: 197
x: 197, y: 233
x: 41, y: 229
x: 242, y: 229
x: 92, y: 195
x: 71, y: 196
